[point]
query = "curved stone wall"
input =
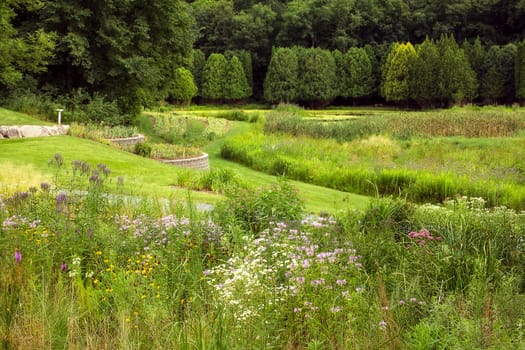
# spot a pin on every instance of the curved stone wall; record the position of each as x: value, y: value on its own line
x: 199, y: 163
x: 128, y: 141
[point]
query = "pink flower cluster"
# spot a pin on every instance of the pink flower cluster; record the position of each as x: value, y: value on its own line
x: 423, y: 236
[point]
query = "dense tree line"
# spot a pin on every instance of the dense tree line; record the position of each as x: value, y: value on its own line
x: 132, y: 52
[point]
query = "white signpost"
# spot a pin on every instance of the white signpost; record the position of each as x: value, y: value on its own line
x: 59, y: 115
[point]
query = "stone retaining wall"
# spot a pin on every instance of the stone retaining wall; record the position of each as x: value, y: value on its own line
x: 13, y: 132
x: 128, y: 141
x: 199, y: 163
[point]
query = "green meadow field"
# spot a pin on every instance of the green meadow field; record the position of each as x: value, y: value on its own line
x: 330, y: 229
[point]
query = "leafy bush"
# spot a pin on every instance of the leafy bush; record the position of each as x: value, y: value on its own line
x: 255, y: 209
x: 39, y: 105
x: 183, y: 87
x: 143, y: 149
x: 238, y: 115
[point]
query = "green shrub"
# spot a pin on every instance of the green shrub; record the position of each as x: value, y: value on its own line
x: 143, y: 149
x: 254, y: 209
x: 183, y: 87
x: 213, y: 76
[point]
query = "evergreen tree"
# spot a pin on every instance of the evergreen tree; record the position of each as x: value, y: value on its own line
x: 281, y: 80
x: 317, y: 80
x: 457, y: 81
x: 198, y: 60
x: 376, y: 66
x: 358, y: 77
x: 235, y: 85
x: 520, y: 71
x: 339, y: 72
x: 497, y: 83
x: 427, y: 66
x: 183, y: 88
x: 246, y: 60
x: 475, y: 53
x: 396, y: 72
x: 213, y: 76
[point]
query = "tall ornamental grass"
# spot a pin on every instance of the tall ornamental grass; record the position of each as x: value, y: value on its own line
x: 421, y: 170
x: 400, y: 125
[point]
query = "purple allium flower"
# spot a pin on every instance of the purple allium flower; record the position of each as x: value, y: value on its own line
x: 61, y: 198
x: 382, y: 324
x: 63, y: 267
x: 18, y: 256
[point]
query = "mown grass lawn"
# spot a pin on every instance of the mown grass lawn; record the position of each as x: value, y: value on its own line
x: 8, y: 117
x: 145, y: 176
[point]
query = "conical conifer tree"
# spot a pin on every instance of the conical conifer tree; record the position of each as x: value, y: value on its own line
x: 235, y: 85
x: 280, y: 84
x: 397, y: 71
x: 213, y: 77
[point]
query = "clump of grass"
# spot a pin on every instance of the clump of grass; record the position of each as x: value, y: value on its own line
x: 101, y: 133
x: 168, y: 151
x: 455, y: 123
x: 238, y: 115
x: 14, y: 177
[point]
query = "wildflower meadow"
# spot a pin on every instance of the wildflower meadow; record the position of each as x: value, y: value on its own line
x: 88, y: 265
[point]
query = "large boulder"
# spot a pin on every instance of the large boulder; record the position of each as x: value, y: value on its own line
x: 33, y: 131
x: 13, y: 132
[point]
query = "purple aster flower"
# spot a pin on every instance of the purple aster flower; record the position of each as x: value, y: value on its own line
x: 18, y: 256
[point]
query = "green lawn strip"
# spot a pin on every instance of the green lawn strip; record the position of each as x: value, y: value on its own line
x: 8, y: 117
x: 150, y: 178
x: 142, y: 176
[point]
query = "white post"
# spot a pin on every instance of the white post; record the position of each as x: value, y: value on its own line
x: 59, y: 115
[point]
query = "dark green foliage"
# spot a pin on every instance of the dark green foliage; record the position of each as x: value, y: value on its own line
x: 183, y: 88
x: 235, y: 85
x: 358, y: 75
x: 246, y: 61
x: 213, y: 76
x: 197, y: 66
x: 497, y: 84
x: 427, y: 68
x: 143, y: 149
x: 128, y: 53
x: 281, y: 81
x: 22, y: 53
x: 520, y: 71
x: 457, y: 81
x: 396, y: 73
x: 339, y: 72
x: 475, y: 53
x: 254, y: 32
x: 317, y: 80
x: 374, y: 55
x: 214, y: 21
